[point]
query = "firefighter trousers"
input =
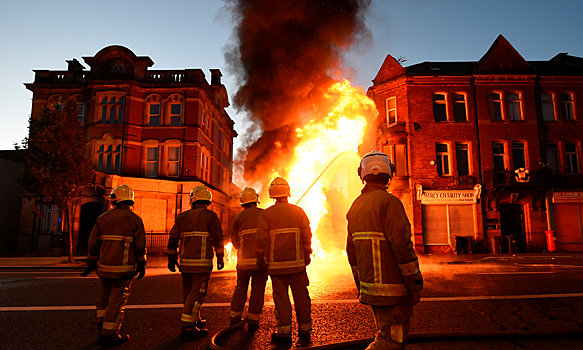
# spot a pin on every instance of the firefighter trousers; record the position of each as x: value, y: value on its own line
x: 258, y: 280
x: 195, y: 287
x: 393, y: 326
x: 111, y: 304
x: 298, y: 283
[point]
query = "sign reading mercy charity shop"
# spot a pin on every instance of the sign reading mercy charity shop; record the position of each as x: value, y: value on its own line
x: 568, y: 197
x: 448, y: 197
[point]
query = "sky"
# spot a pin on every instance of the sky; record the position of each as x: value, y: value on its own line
x: 181, y: 34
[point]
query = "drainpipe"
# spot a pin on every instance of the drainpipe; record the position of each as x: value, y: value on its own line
x: 479, y: 154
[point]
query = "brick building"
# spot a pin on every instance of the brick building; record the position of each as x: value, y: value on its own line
x: 487, y: 153
x: 162, y: 132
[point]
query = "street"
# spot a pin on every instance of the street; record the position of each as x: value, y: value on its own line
x: 527, y: 303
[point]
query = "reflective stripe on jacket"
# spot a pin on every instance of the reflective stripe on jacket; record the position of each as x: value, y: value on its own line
x: 197, y: 231
x: 379, y: 246
x: 243, y: 234
x: 117, y: 242
x: 284, y: 238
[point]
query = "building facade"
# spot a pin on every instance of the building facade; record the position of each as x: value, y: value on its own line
x: 162, y: 132
x: 487, y: 153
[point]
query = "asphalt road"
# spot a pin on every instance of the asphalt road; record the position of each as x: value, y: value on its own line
x: 497, y: 304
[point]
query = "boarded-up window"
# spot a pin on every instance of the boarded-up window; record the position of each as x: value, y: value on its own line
x: 400, y: 160
x: 435, y: 225
x: 154, y: 214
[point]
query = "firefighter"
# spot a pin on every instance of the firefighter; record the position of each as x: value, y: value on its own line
x: 381, y: 254
x: 117, y: 249
x: 197, y: 231
x: 284, y: 242
x: 243, y: 239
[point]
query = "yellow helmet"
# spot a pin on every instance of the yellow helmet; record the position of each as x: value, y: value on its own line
x: 249, y: 195
x: 279, y: 188
x: 200, y: 193
x: 122, y: 193
x: 375, y: 163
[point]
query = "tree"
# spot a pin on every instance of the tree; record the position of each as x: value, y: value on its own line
x: 55, y: 164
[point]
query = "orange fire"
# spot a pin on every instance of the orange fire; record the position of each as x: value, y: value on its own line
x: 322, y: 174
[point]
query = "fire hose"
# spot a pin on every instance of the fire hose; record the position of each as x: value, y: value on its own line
x: 416, y: 337
x: 319, y: 176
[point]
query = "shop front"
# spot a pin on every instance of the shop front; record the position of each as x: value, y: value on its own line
x: 567, y: 212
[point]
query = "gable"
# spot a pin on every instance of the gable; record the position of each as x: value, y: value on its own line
x: 502, y: 58
x: 391, y: 68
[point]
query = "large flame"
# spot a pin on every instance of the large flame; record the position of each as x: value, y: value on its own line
x: 327, y: 151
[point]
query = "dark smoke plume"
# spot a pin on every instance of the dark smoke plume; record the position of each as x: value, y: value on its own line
x: 284, y: 55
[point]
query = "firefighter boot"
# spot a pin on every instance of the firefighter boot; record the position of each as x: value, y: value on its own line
x: 283, y: 339
x: 109, y: 341
x: 200, y: 323
x: 193, y: 333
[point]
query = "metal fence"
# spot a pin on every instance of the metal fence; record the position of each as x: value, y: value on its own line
x: 156, y: 242
x: 36, y: 243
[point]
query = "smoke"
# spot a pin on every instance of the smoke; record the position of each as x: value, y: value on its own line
x: 285, y: 55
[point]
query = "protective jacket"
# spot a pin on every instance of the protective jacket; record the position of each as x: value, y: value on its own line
x: 379, y: 247
x: 284, y: 238
x: 197, y: 231
x: 117, y: 243
x: 243, y: 237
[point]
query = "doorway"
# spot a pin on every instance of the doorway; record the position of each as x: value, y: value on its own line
x: 512, y: 227
x: 89, y: 214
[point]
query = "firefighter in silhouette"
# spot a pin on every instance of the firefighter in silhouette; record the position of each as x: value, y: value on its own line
x: 117, y: 249
x: 197, y: 231
x: 381, y: 254
x: 243, y: 239
x: 284, y: 243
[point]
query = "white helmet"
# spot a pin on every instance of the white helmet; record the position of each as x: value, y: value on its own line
x: 122, y: 193
x: 375, y: 163
x: 201, y: 193
x: 249, y: 195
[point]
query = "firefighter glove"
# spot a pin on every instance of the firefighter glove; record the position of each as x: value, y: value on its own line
x: 220, y: 262
x: 91, y: 265
x: 173, y: 262
x: 307, y: 259
x: 355, y: 275
x: 141, y: 269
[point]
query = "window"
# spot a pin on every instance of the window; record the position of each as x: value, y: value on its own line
x: 108, y: 157
x: 112, y: 109
x: 173, y: 161
x: 514, y: 106
x: 462, y: 158
x: 391, y: 110
x: 518, y: 155
x: 80, y: 112
x: 548, y: 107
x: 400, y: 160
x: 154, y: 116
x: 152, y: 162
x: 442, y: 155
x: 439, y: 107
x: 567, y: 107
x: 572, y: 158
x: 498, y: 155
x: 204, y: 167
x: 495, y: 102
x: 459, y: 108
x: 553, y: 157
x: 175, y: 114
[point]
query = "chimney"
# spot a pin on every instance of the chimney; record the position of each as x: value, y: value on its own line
x: 74, y: 66
x: 216, y: 77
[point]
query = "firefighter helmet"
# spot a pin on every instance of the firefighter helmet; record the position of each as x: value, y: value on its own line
x: 122, y: 193
x: 375, y: 163
x: 249, y: 195
x: 200, y: 193
x: 279, y: 188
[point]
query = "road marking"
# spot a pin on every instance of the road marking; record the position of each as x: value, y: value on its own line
x: 514, y: 273
x: 270, y: 303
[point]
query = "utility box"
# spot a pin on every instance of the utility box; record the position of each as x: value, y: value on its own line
x: 497, y: 242
x: 463, y: 244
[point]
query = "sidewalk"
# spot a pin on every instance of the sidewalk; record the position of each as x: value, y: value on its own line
x: 42, y: 262
x: 157, y: 261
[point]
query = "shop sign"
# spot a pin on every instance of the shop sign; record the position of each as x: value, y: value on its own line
x: 568, y: 197
x: 448, y: 197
